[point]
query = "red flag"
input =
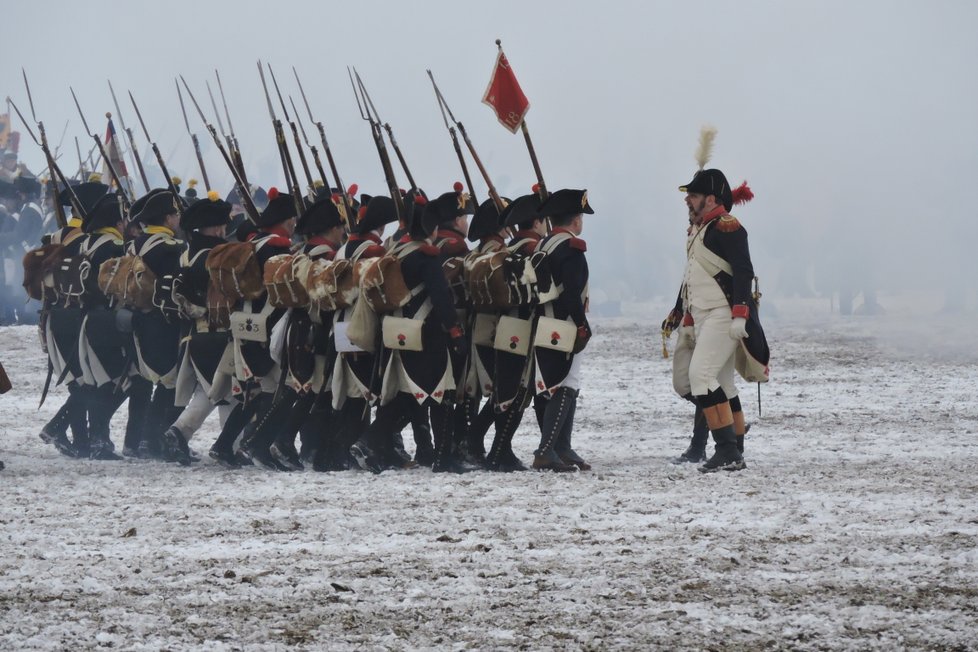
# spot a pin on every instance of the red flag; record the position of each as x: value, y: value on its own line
x: 505, y: 96
x: 115, y: 155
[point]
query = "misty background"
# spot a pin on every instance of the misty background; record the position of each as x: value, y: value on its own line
x: 853, y: 122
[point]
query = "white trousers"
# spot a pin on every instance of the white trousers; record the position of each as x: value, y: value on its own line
x: 704, y: 356
x: 197, y: 409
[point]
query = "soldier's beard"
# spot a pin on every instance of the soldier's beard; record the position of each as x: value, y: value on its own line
x: 696, y: 212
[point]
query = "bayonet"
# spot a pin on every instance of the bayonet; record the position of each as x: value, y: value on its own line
x: 159, y: 156
x: 233, y: 146
x: 133, y: 151
x: 246, y: 198
x: 329, y: 154
x: 105, y: 156
x: 385, y: 162
x: 193, y: 136
x: 369, y: 103
x: 217, y: 114
x: 496, y: 199
x: 291, y: 181
x: 59, y: 210
x: 295, y: 134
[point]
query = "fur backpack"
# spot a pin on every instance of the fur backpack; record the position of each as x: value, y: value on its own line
x: 382, y: 283
x: 500, y: 280
x: 283, y: 279
x: 235, y: 276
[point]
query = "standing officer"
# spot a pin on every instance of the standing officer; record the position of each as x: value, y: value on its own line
x: 715, y: 299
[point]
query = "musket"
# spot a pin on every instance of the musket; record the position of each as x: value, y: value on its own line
x: 133, y: 151
x: 295, y: 132
x: 235, y: 156
x: 385, y: 161
x: 387, y: 127
x: 291, y: 180
x: 541, y: 185
x: 57, y: 150
x: 315, y: 151
x: 81, y: 162
x: 59, y: 210
x: 455, y: 143
x: 159, y: 157
x: 193, y: 137
x: 246, y: 198
x: 105, y: 155
x: 234, y: 147
x: 329, y: 154
x: 496, y: 199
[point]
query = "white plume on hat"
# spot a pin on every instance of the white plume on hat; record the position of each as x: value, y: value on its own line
x: 707, y: 134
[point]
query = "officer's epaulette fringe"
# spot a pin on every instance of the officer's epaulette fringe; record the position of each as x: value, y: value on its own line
x: 728, y: 224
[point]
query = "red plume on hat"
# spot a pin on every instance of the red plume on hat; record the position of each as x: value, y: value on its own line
x: 742, y: 194
x: 272, y: 193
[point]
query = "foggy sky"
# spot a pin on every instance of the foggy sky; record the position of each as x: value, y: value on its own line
x: 854, y: 122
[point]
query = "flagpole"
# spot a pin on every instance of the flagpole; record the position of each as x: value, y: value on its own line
x: 542, y: 186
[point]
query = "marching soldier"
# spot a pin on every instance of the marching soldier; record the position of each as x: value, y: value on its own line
x: 201, y: 383
x: 308, y: 354
x: 102, y: 352
x: 61, y: 327
x: 714, y: 303
x: 558, y: 369
x: 257, y: 366
x: 486, y: 229
x: 355, y: 384
x: 156, y: 335
x: 419, y: 374
x: 513, y: 372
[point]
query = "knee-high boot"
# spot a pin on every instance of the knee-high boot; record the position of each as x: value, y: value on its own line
x: 555, y: 414
x: 563, y: 444
x: 501, y: 456
x: 140, y: 394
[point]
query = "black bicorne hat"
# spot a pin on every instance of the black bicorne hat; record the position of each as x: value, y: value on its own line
x: 153, y: 206
x: 711, y: 182
x: 375, y: 212
x: 280, y: 207
x: 443, y: 209
x: 88, y: 193
x: 107, y: 211
x: 522, y: 209
x: 565, y: 202
x: 487, y: 220
x: 321, y: 216
x: 211, y: 211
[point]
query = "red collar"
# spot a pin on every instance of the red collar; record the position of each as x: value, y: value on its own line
x: 360, y: 237
x: 527, y: 233
x: 405, y: 238
x: 320, y: 241
x: 279, y: 237
x: 714, y: 214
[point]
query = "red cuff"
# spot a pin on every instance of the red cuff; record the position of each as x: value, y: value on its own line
x: 455, y: 331
x: 740, y: 310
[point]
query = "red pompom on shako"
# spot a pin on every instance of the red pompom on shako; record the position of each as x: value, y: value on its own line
x: 420, y: 200
x: 535, y: 188
x: 272, y: 193
x: 458, y: 186
x: 742, y: 194
x: 352, y: 190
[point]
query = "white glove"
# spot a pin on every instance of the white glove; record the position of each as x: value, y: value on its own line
x: 738, y: 328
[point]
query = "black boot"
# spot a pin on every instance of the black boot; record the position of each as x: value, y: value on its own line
x: 696, y: 452
x: 726, y: 457
x: 140, y: 395
x: 501, y: 456
x: 443, y: 427
x: 555, y: 414
x: 105, y: 401
x: 175, y: 447
x: 223, y: 449
x: 78, y: 421
x: 563, y: 443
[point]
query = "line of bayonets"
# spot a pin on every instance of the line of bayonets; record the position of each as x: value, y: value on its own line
x: 231, y: 151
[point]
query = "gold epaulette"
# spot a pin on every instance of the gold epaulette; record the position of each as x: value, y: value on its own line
x: 728, y: 223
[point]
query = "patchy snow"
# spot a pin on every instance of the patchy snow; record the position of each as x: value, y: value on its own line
x: 855, y: 525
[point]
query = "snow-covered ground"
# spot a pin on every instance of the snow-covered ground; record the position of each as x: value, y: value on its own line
x: 855, y: 525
